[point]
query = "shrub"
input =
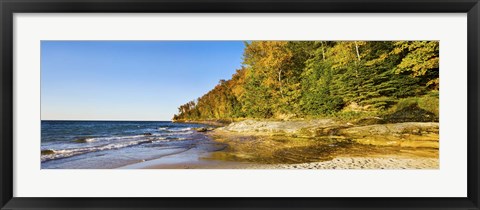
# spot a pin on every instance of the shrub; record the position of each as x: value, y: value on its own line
x: 430, y: 102
x: 414, y: 109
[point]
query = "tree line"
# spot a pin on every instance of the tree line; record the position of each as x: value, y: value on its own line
x: 320, y: 78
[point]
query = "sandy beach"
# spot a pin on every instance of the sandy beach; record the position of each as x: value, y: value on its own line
x: 365, y: 163
x: 183, y: 162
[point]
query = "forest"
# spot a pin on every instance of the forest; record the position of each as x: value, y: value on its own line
x: 316, y: 79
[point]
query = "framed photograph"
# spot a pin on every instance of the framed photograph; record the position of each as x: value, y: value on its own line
x: 267, y: 104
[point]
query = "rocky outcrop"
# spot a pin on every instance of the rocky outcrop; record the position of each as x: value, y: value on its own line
x: 48, y: 152
x: 415, y: 128
x: 279, y: 127
x: 203, y: 129
x: 408, y: 134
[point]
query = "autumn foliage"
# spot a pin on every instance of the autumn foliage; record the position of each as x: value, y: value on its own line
x: 320, y: 78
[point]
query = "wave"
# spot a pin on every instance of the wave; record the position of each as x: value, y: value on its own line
x: 110, y: 138
x: 180, y: 129
x: 177, y: 133
x: 96, y: 144
x: 84, y: 140
x: 51, y: 154
x: 177, y: 138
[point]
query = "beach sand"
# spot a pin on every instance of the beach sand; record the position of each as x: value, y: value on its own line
x: 365, y: 163
x: 186, y: 161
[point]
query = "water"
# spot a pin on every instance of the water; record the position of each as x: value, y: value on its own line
x: 112, y: 144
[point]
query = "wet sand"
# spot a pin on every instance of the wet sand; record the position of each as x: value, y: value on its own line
x: 194, y: 158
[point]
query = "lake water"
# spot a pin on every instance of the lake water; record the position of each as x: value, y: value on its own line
x: 113, y: 144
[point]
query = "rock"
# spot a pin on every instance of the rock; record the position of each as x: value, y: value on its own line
x: 396, y: 128
x: 147, y: 134
x: 370, y: 121
x: 411, y: 134
x: 300, y: 127
x: 407, y: 134
x: 202, y: 129
x: 48, y: 152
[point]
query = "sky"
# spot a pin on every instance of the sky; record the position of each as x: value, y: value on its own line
x: 130, y: 80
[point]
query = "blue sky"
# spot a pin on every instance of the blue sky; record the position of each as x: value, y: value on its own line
x: 130, y: 80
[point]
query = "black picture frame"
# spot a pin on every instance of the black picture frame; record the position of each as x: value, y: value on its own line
x: 9, y: 7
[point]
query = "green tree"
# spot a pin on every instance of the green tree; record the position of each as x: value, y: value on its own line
x: 420, y: 59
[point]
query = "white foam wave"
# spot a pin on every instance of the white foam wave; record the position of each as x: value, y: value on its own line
x: 63, y: 153
x: 178, y: 133
x: 89, y: 140
x: 180, y: 129
x: 109, y: 143
x: 118, y: 137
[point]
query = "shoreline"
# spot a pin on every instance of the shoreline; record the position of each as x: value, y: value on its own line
x: 411, y: 145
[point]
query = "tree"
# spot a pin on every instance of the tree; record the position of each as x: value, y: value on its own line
x: 317, y: 78
x: 420, y: 59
